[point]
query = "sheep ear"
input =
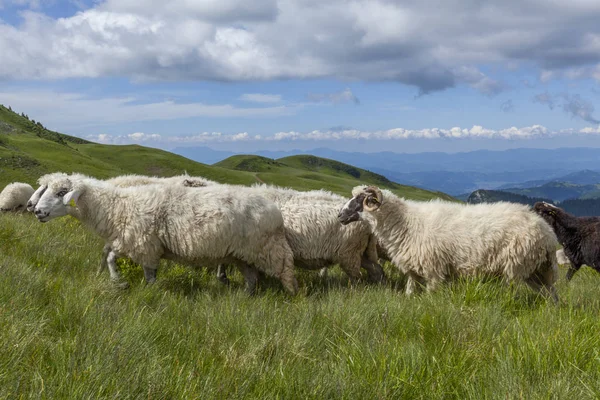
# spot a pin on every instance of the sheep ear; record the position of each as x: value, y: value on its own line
x: 71, y: 198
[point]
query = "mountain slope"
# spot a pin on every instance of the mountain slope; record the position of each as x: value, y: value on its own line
x: 28, y: 150
x: 312, y: 172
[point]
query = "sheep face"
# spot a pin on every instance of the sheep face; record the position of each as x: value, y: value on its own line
x: 35, y: 198
x: 366, y: 198
x: 55, y: 200
x: 546, y: 211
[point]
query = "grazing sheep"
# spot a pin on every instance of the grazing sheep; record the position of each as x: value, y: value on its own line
x: 579, y: 236
x: 436, y: 240
x: 109, y: 259
x: 315, y: 235
x: 196, y: 227
x: 561, y: 258
x: 14, y: 196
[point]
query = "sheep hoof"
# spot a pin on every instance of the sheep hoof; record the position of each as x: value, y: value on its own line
x: 120, y: 284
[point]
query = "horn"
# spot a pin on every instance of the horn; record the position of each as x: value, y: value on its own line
x: 373, y: 196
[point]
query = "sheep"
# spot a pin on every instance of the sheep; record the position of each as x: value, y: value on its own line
x: 579, y: 236
x: 436, y: 240
x: 197, y: 227
x: 108, y: 260
x: 316, y: 237
x: 14, y: 196
x: 561, y: 258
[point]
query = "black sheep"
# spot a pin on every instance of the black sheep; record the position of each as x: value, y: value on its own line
x: 579, y: 236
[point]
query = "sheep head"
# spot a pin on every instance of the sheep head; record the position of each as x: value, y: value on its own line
x: 60, y: 194
x: 364, y: 198
x: 546, y: 210
x: 43, y: 182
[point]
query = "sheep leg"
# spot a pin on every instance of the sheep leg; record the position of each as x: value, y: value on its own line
x: 411, y: 284
x: 571, y: 271
x: 374, y: 271
x: 286, y: 274
x: 222, y: 274
x: 432, y: 285
x: 111, y: 262
x: 103, y: 261
x: 542, y: 285
x: 150, y: 274
x: 352, y: 269
x: 250, y: 277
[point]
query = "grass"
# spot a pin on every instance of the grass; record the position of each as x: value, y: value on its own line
x: 66, y: 333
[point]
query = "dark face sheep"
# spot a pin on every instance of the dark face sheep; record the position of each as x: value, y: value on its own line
x: 369, y: 198
x: 547, y: 211
x: 580, y: 236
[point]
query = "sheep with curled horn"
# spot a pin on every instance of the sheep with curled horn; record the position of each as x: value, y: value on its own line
x: 434, y: 241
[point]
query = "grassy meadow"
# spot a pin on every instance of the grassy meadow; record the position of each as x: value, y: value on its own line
x: 67, y: 333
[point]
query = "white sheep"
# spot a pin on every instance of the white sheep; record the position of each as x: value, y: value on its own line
x: 108, y: 258
x: 436, y: 240
x: 316, y: 237
x: 14, y: 196
x: 196, y: 227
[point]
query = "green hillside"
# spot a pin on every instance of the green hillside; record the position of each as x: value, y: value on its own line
x: 28, y: 150
x: 310, y: 172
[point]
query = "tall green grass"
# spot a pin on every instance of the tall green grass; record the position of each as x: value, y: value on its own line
x: 66, y: 333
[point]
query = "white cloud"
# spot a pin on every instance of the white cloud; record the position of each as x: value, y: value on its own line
x: 261, y: 98
x: 237, y: 40
x: 476, y: 132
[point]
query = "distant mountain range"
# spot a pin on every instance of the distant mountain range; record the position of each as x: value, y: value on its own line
x: 578, y: 207
x: 456, y: 173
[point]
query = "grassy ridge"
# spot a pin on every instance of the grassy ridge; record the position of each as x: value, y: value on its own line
x: 65, y: 333
x: 307, y: 172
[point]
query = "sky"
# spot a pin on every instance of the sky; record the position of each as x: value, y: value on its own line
x: 361, y: 75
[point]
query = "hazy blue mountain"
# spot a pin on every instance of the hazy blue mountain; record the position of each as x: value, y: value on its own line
x: 456, y: 173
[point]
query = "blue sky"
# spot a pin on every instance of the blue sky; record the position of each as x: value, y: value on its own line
x: 271, y: 74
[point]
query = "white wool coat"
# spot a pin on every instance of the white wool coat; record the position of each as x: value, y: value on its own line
x: 14, y: 196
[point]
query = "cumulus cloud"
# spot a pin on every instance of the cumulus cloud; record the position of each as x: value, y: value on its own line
x: 261, y: 98
x: 345, y: 96
x: 341, y: 133
x: 235, y: 40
